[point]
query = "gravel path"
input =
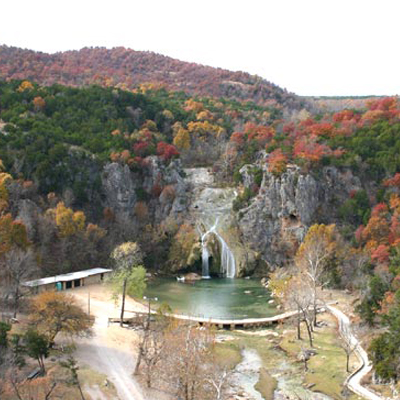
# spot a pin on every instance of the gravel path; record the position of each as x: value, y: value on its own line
x: 354, y: 380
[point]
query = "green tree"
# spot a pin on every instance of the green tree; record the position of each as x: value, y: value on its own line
x: 18, y: 350
x: 385, y: 349
x: 129, y: 276
x: 4, y: 328
x: 37, y: 347
x: 372, y: 299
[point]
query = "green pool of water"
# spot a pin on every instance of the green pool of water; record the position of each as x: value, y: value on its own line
x: 214, y: 298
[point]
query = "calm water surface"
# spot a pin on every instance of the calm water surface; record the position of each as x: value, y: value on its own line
x: 216, y: 298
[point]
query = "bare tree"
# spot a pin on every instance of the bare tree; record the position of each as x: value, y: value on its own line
x: 152, y: 351
x: 304, y: 356
x: 19, y: 266
x: 218, y: 377
x: 348, y: 344
x: 41, y: 388
x: 181, y: 357
x: 185, y: 368
x: 299, y: 296
x: 313, y: 256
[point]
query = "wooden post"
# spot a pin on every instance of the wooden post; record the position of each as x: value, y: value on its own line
x: 123, y: 302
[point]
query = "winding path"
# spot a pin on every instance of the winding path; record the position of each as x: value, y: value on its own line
x: 353, y: 381
x: 115, y: 362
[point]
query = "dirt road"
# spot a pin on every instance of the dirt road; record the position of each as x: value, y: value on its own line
x: 111, y: 350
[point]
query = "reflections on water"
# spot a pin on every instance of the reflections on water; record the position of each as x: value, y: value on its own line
x: 214, y: 298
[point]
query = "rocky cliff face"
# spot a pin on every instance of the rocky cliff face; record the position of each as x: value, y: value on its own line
x: 161, y: 188
x: 277, y: 219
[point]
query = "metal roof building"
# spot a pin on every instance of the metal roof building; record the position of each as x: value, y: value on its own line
x: 68, y: 281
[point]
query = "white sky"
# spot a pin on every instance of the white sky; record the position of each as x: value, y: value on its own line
x: 310, y: 47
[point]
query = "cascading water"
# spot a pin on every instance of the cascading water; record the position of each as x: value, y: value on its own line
x: 228, y: 264
x: 205, y: 254
x: 212, y: 208
x: 205, y: 257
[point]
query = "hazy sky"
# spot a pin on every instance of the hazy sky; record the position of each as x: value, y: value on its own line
x: 310, y: 47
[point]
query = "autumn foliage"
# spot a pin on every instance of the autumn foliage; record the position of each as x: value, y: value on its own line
x: 125, y: 69
x: 54, y: 312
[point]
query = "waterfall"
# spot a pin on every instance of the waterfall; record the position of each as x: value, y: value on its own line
x: 205, y: 255
x: 228, y: 264
x: 212, y: 209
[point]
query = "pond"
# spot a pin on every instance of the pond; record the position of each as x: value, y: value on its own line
x: 214, y: 298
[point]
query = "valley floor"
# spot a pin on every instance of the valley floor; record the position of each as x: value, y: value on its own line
x: 112, y: 351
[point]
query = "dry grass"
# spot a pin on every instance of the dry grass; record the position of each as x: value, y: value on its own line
x: 227, y: 354
x: 89, y: 377
x: 327, y: 369
x: 266, y: 384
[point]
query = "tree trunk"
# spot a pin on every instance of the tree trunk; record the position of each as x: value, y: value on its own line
x: 141, y: 350
x: 315, y: 307
x: 16, y: 298
x: 305, y: 363
x: 186, y: 392
x: 308, y: 328
x: 139, y: 359
x: 80, y: 391
x: 123, y: 302
x: 298, y: 324
x: 148, y: 381
x: 41, y: 365
x: 51, y: 390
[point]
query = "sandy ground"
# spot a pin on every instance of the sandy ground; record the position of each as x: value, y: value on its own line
x: 112, y: 350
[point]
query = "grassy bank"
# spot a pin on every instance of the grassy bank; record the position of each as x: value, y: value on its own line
x: 327, y: 368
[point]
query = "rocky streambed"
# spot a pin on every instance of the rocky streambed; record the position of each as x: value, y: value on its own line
x: 265, y: 372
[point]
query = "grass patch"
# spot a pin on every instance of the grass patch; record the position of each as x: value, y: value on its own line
x: 266, y: 385
x: 227, y: 354
x: 327, y: 369
x: 89, y: 377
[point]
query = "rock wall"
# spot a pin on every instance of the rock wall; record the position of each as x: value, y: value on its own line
x: 277, y: 219
x: 160, y: 187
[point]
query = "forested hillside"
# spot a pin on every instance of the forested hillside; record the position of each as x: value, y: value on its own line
x: 127, y: 68
x: 85, y: 169
x: 50, y: 134
x: 63, y: 149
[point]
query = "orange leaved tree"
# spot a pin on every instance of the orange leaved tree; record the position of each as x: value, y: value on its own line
x: 313, y: 255
x: 53, y: 312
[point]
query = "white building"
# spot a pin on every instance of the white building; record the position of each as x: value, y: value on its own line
x: 68, y: 281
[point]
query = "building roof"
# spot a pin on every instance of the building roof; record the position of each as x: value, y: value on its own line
x: 66, y: 277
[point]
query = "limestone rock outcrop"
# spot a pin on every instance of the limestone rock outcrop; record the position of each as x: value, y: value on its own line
x: 161, y: 187
x: 277, y: 218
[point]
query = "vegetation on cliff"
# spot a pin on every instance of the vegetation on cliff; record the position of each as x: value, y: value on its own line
x: 57, y: 142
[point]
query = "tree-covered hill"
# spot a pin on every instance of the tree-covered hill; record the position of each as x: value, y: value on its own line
x: 60, y: 136
x: 128, y: 69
